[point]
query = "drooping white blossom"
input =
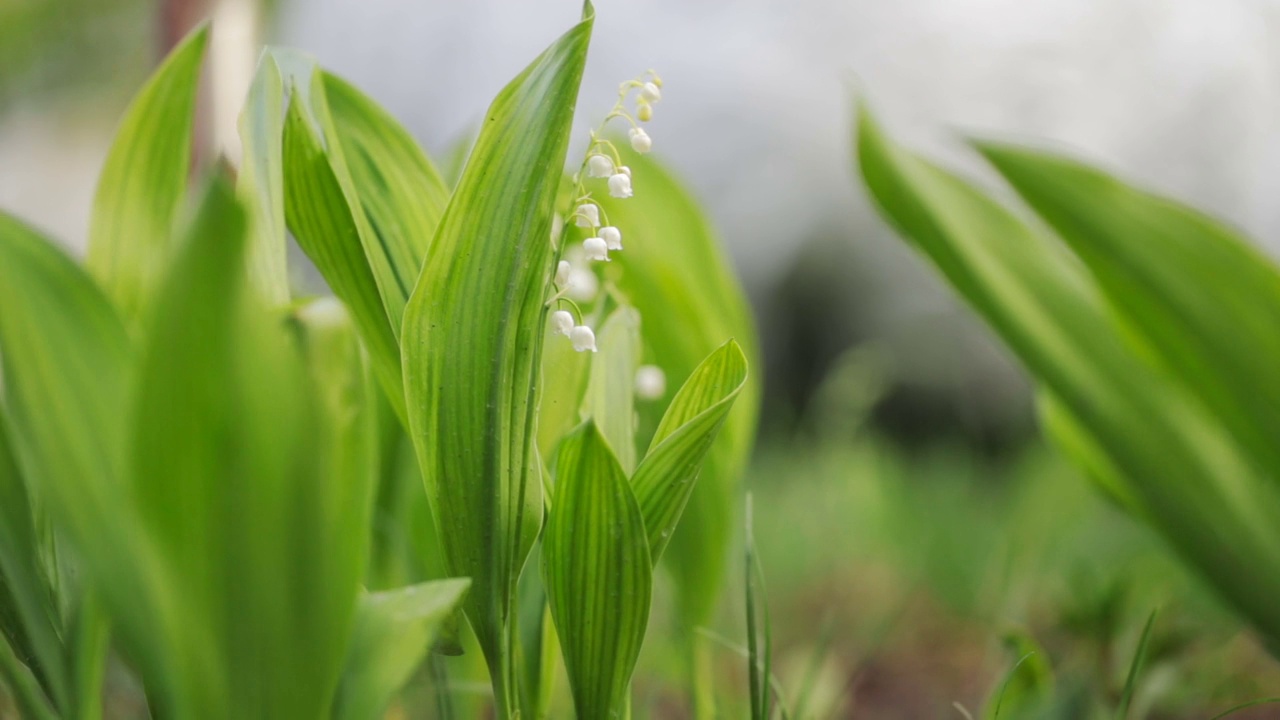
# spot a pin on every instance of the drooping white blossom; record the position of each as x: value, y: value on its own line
x: 612, y: 237
x: 640, y: 140
x: 595, y: 248
x: 599, y: 166
x: 583, y: 285
x: 583, y: 338
x: 650, y: 92
x: 651, y: 382
x: 587, y: 215
x: 562, y: 322
x: 620, y: 183
x: 563, y: 269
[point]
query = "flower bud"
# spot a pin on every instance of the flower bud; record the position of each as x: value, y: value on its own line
x: 612, y: 237
x: 596, y: 249
x: 650, y: 92
x: 644, y: 113
x: 561, y: 322
x: 651, y: 382
x: 620, y: 184
x: 640, y: 141
x: 587, y: 215
x: 583, y: 339
x: 599, y: 166
x: 562, y: 273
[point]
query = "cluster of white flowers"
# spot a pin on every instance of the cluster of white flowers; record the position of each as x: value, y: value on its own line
x: 602, y: 163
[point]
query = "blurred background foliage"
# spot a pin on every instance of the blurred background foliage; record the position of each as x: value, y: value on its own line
x: 913, y: 528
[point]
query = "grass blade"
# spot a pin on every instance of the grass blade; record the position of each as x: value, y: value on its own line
x: 144, y: 180
x: 1135, y: 669
x: 598, y: 577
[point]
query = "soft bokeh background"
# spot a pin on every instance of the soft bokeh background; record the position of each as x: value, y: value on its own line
x: 908, y: 515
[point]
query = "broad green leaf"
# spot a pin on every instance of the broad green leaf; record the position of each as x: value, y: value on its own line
x: 260, y: 185
x: 393, y: 631
x: 667, y: 476
x: 676, y: 273
x: 144, y: 180
x: 400, y: 191
x: 263, y: 540
x: 1186, y: 475
x: 24, y: 586
x: 610, y: 397
x: 363, y: 202
x: 326, y: 228
x: 597, y: 569
x: 67, y: 364
x: 472, y: 340
x: 1205, y: 301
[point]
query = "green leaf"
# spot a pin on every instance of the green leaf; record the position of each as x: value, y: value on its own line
x: 666, y: 477
x: 399, y: 190
x: 30, y: 701
x: 24, y: 585
x: 144, y: 180
x: 1186, y: 476
x: 610, y: 398
x: 1028, y: 684
x: 472, y: 340
x: 676, y: 273
x: 260, y: 185
x: 1183, y: 284
x: 394, y: 630
x: 272, y: 439
x: 1135, y: 668
x: 597, y: 569
x: 326, y: 228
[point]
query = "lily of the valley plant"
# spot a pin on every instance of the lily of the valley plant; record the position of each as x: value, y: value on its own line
x: 264, y: 505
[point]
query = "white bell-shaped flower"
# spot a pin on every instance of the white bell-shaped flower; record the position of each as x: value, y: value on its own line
x: 596, y: 248
x: 651, y: 92
x: 583, y: 339
x: 640, y: 140
x: 612, y: 237
x: 620, y: 184
x: 562, y: 322
x: 599, y: 166
x: 587, y: 215
x: 563, y: 269
x: 651, y: 382
x: 624, y: 170
x: 583, y: 285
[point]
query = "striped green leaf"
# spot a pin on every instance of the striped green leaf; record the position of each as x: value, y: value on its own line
x: 1185, y: 474
x: 472, y: 340
x: 29, y: 616
x: 610, y: 398
x: 1185, y: 285
x: 144, y: 180
x: 675, y: 272
x: 598, y: 575
x: 260, y: 184
x: 327, y: 229
x: 399, y: 190
x: 666, y: 477
x: 394, y: 630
